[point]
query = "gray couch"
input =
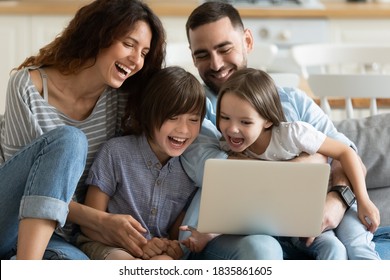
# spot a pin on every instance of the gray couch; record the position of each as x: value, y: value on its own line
x: 372, y: 138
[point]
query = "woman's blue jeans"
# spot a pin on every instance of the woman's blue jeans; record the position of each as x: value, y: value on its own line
x: 39, y: 182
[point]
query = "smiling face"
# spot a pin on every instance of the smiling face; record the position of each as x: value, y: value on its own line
x: 218, y: 49
x: 175, y: 135
x: 240, y: 124
x: 125, y: 56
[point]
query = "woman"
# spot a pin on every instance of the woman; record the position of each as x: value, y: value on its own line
x: 62, y: 104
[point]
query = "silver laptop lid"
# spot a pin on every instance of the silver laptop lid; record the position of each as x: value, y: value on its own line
x: 263, y: 197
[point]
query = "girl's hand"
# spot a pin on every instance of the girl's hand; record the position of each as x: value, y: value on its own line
x: 369, y: 215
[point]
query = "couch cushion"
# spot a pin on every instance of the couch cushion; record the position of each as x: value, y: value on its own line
x: 372, y: 138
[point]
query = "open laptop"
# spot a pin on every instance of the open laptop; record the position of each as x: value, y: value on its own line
x: 263, y: 197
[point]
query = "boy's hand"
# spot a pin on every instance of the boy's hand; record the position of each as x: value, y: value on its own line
x: 174, y: 250
x: 154, y: 247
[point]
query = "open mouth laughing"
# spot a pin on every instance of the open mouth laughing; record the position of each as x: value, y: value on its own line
x: 123, y: 69
x: 177, y: 142
x: 235, y: 142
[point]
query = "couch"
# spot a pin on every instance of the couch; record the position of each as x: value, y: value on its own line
x: 372, y: 138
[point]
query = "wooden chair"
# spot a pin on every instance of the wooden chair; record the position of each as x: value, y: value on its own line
x: 349, y: 87
x: 345, y: 71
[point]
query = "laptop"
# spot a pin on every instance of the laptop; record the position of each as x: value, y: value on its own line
x: 263, y: 197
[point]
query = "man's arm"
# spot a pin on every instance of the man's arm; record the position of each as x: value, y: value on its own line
x: 334, y: 206
x: 206, y: 146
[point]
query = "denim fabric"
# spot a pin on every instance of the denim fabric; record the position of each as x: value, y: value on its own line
x: 39, y: 181
x: 382, y: 242
x: 325, y: 247
x: 240, y: 247
x: 60, y: 249
x: 355, y: 237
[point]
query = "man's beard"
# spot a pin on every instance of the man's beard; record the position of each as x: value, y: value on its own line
x: 214, y: 87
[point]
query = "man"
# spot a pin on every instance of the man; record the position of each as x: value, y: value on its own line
x: 219, y: 45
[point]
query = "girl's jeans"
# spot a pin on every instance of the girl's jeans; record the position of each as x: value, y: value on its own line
x: 39, y: 182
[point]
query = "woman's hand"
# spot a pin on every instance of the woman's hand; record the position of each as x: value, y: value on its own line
x: 123, y: 231
x: 112, y: 229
